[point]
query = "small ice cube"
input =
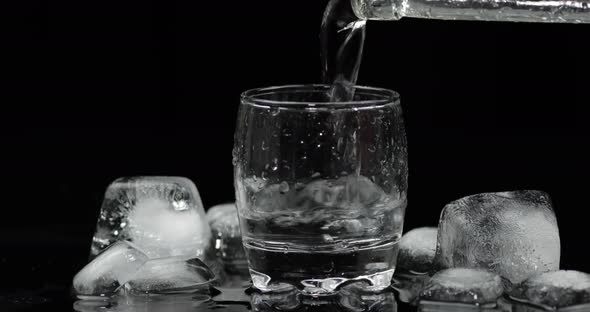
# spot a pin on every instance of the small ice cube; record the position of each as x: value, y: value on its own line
x: 218, y: 212
x: 170, y: 275
x: 416, y: 250
x: 555, y: 289
x: 352, y: 191
x: 356, y: 297
x: 284, y: 300
x: 513, y: 234
x: 163, y: 216
x: 225, y: 225
x: 114, y: 267
x: 408, y: 286
x: 472, y: 286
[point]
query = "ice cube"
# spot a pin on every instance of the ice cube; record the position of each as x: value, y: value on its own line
x: 513, y: 234
x: 356, y: 297
x: 416, y: 250
x: 114, y: 267
x: 285, y: 300
x: 225, y: 225
x: 408, y: 286
x: 163, y: 216
x: 555, y: 289
x: 352, y: 192
x: 474, y: 286
x: 170, y: 275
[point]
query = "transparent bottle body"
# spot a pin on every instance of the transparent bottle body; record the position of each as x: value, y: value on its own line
x: 560, y: 11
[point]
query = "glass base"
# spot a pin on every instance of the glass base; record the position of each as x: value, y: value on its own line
x: 325, y: 286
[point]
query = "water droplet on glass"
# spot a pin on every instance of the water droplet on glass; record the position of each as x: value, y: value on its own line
x: 274, y: 111
x: 372, y: 149
x: 315, y: 175
x: 264, y: 175
x: 263, y: 146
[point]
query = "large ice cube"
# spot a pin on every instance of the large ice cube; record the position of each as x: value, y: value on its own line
x: 163, y: 216
x: 473, y: 286
x: 555, y: 289
x: 114, y: 267
x: 513, y: 234
x: 417, y: 249
x: 170, y: 275
x: 225, y: 225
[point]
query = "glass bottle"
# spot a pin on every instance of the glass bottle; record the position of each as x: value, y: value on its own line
x: 560, y: 11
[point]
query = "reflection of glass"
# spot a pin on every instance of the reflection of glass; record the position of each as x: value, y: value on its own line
x: 349, y: 299
x: 503, y: 305
x: 320, y: 186
x: 167, y: 303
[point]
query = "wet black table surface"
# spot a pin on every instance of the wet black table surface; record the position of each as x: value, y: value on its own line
x: 37, y: 266
x: 38, y: 263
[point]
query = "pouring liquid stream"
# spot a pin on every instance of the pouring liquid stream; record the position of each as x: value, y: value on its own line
x: 342, y: 32
x: 342, y: 36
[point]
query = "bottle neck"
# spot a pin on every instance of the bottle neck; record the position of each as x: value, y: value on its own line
x: 560, y: 11
x: 378, y: 9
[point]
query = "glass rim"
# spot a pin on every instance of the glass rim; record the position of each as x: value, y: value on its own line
x: 255, y: 96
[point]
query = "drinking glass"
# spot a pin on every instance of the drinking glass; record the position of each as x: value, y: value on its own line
x: 320, y: 186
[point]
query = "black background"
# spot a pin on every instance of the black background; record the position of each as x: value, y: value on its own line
x: 94, y: 90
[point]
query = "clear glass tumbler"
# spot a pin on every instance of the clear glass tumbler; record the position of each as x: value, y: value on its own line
x: 320, y: 186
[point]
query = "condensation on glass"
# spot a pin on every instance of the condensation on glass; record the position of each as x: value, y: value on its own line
x: 320, y: 186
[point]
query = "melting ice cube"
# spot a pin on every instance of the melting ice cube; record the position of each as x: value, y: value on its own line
x: 170, y: 275
x: 225, y: 225
x: 416, y: 249
x: 114, y: 267
x: 555, y: 289
x: 513, y: 234
x: 163, y: 216
x: 474, y: 286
